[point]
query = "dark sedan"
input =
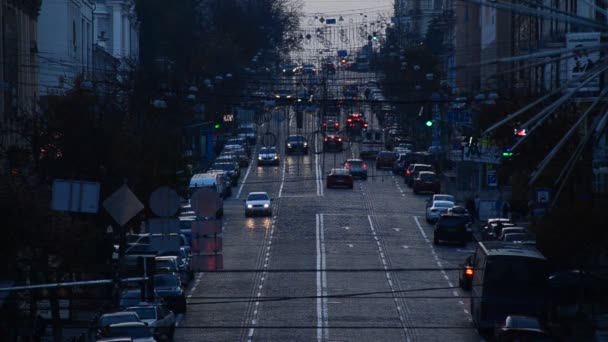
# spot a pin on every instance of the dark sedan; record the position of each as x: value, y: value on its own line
x: 296, y: 143
x: 427, y: 181
x: 333, y: 143
x: 385, y: 159
x: 168, y: 286
x: 357, y: 168
x: 340, y: 178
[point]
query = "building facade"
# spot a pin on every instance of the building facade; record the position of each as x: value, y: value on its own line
x: 18, y: 71
x: 116, y: 28
x: 65, y: 30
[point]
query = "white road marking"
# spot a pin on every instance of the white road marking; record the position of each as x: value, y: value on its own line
x: 245, y: 178
x: 397, y: 229
x: 351, y: 245
x: 405, y: 246
x: 282, y: 179
x: 322, y: 320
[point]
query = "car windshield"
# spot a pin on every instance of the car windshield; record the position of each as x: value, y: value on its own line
x: 165, y: 264
x: 340, y: 172
x: 296, y: 139
x: 356, y: 163
x: 427, y: 177
x: 516, y: 237
x: 448, y: 220
x: 165, y: 280
x: 268, y: 150
x: 443, y: 198
x: 144, y: 312
x: 443, y: 204
x: 257, y: 197
x: 509, y: 273
x: 131, y: 331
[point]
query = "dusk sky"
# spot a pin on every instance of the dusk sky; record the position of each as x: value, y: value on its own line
x: 347, y: 7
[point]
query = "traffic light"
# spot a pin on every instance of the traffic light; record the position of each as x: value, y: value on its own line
x: 217, y: 126
x: 508, y: 153
x: 374, y: 36
x: 429, y: 123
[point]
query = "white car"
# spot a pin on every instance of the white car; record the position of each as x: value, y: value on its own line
x: 440, y: 197
x: 268, y: 156
x: 258, y: 203
x: 158, y: 318
x: 437, y: 208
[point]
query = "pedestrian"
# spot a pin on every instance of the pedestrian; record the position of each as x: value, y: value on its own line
x: 506, y: 209
x: 470, y: 205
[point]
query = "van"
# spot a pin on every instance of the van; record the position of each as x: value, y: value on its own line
x: 213, y: 181
x: 508, y: 279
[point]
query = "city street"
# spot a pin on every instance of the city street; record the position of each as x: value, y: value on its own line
x: 330, y: 264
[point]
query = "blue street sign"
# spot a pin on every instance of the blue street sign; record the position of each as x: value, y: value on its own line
x: 342, y: 53
x: 330, y: 21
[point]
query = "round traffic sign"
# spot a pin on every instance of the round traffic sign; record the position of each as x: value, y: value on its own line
x: 164, y: 202
x: 205, y: 202
x: 269, y: 139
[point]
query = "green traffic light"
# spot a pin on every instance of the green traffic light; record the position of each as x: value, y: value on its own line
x: 429, y: 123
x: 507, y: 154
x: 217, y: 126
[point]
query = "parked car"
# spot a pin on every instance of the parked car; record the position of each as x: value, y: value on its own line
x: 385, y: 159
x: 522, y: 328
x: 296, y: 143
x: 331, y: 124
x: 329, y: 68
x: 412, y: 172
x: 168, y: 286
x: 437, y: 208
x: 134, y: 296
x: 138, y: 331
x: 340, y: 178
x: 426, y: 181
x: 258, y: 203
x: 451, y: 228
x: 268, y: 156
x: 160, y: 320
x: 107, y: 319
x: 357, y: 168
x: 440, y: 197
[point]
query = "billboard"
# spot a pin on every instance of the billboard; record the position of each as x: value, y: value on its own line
x: 584, y: 59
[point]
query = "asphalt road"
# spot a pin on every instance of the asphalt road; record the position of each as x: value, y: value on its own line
x: 330, y: 264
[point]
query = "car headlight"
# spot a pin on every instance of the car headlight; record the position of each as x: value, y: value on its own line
x: 260, y: 158
x: 276, y: 157
x: 266, y: 205
x: 305, y: 144
x: 288, y: 145
x: 249, y: 206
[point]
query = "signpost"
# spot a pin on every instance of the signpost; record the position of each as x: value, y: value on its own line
x: 207, y: 242
x: 75, y: 196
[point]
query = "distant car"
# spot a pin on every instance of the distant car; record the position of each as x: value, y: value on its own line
x: 440, y: 197
x: 331, y: 125
x: 309, y: 69
x: 451, y: 228
x: 426, y: 181
x: 138, y: 331
x: 511, y: 230
x: 340, y: 178
x: 268, y: 156
x: 518, y: 238
x: 437, y: 208
x: 357, y: 168
x: 169, y: 288
x: 232, y: 169
x: 133, y: 297
x: 385, y: 159
x: 522, y: 328
x: 158, y: 318
x: 258, y: 203
x: 291, y: 69
x: 108, y: 319
x: 412, y: 172
x: 465, y: 276
x: 333, y: 143
x: 399, y: 164
x: 296, y: 143
x: 329, y: 68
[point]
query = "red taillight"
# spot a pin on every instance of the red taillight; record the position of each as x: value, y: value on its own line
x: 340, y: 139
x: 337, y: 124
x: 364, y: 166
x: 407, y: 172
x: 324, y: 124
x: 325, y: 139
x: 347, y: 165
x: 365, y: 125
x: 469, y: 271
x: 349, y: 120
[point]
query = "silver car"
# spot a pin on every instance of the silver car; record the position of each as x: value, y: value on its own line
x: 437, y: 208
x: 258, y: 203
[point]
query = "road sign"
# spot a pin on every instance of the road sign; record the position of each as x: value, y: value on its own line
x: 543, y: 195
x: 164, y: 201
x: 205, y: 202
x: 202, y: 263
x: 165, y: 243
x: 331, y: 21
x: 123, y: 205
x: 76, y: 196
x: 342, y: 53
x: 492, y: 180
x: 207, y: 244
x: 206, y: 227
x: 163, y: 226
